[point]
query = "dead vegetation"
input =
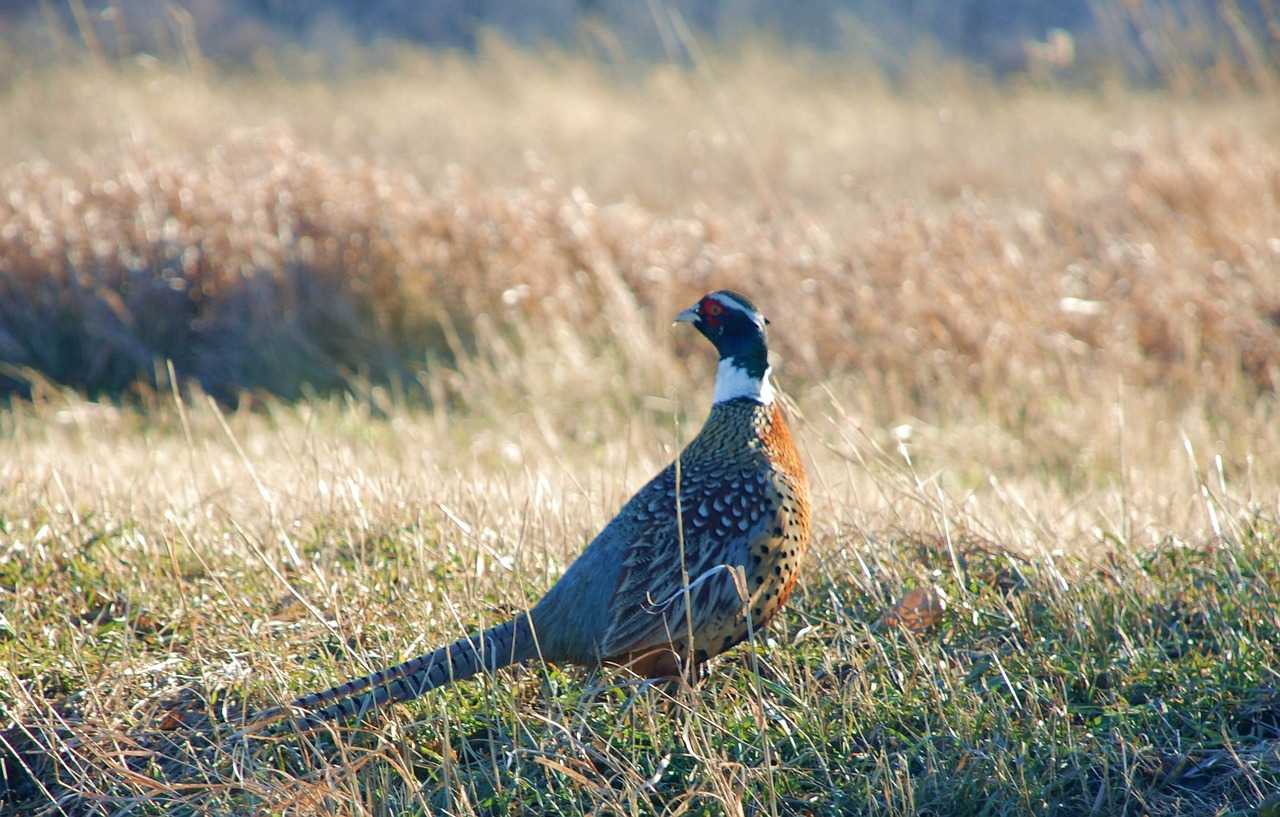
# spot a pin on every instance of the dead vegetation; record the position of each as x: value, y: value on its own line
x: 992, y: 241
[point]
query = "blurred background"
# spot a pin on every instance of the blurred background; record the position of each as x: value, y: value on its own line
x: 281, y: 196
x: 1146, y: 40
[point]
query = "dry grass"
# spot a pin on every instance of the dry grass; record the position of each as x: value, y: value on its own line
x: 963, y: 238
x: 1066, y: 308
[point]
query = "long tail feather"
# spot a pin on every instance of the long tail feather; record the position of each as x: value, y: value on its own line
x: 508, y: 643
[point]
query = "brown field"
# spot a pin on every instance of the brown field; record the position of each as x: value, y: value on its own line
x: 1030, y: 332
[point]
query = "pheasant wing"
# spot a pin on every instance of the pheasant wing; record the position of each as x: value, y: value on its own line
x: 723, y: 517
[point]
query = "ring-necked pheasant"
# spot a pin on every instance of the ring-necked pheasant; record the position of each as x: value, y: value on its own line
x: 744, y: 508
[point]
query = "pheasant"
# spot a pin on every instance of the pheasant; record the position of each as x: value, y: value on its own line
x: 735, y: 505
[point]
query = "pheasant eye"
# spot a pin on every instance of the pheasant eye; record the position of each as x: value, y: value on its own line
x: 712, y: 308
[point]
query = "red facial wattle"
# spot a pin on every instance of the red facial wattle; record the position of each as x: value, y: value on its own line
x: 711, y: 312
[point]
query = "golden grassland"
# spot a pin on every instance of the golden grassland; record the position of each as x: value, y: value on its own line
x: 1031, y: 335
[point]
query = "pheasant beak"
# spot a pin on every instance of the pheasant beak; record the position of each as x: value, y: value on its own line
x: 690, y: 315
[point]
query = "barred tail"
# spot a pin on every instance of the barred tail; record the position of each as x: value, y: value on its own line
x: 499, y: 646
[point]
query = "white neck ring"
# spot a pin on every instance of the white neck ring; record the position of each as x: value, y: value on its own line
x: 733, y: 381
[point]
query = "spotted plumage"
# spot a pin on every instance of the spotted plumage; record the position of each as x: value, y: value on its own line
x: 737, y: 507
x: 735, y: 504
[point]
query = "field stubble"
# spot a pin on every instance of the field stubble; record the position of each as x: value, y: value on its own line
x: 1033, y: 337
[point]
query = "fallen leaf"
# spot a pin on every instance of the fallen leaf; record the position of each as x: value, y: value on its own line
x: 917, y: 611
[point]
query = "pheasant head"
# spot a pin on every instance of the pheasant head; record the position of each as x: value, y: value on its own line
x: 738, y: 331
